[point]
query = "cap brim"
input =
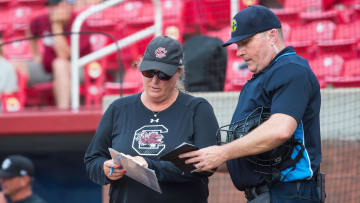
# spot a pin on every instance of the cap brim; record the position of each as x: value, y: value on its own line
x: 168, y: 69
x: 6, y: 174
x: 236, y: 39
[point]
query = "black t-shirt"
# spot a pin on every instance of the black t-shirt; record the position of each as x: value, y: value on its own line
x: 287, y: 85
x: 32, y: 199
x: 129, y: 127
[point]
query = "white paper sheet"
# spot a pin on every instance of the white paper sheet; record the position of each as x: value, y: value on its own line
x: 135, y: 170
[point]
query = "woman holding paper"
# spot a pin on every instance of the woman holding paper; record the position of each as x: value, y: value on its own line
x: 149, y: 125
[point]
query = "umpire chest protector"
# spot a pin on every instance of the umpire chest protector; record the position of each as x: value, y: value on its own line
x: 270, y: 163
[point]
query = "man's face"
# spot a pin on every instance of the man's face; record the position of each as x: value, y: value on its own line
x: 11, y: 186
x: 256, y: 51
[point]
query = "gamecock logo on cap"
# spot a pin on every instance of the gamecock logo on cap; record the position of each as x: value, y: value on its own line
x: 160, y: 52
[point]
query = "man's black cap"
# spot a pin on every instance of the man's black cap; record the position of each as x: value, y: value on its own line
x: 250, y: 21
x: 164, y: 54
x: 16, y: 165
x: 52, y: 2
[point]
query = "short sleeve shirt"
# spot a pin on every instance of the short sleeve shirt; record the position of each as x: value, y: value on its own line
x: 288, y: 86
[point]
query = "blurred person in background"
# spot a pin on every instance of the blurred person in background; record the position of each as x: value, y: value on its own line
x: 278, y: 160
x: 150, y: 124
x: 8, y: 77
x: 54, y: 63
x: 16, y: 177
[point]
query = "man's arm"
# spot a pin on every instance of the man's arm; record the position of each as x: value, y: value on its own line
x: 272, y: 133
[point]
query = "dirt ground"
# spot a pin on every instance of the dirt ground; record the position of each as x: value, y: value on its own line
x: 341, y: 163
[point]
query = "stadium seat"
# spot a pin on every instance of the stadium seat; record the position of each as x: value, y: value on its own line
x: 34, y: 4
x: 214, y: 14
x: 15, y: 101
x: 327, y: 66
x: 345, y: 41
x: 224, y: 34
x: 348, y: 30
x: 352, y: 68
x: 20, y: 19
x: 318, y: 30
x: 237, y: 74
x: 17, y: 50
x: 289, y: 16
x: 4, y: 20
x: 102, y: 21
x: 304, y: 5
x: 350, y: 76
x: 94, y: 79
x: 40, y: 94
x: 333, y: 15
x: 303, y: 38
x: 286, y: 29
x: 131, y: 84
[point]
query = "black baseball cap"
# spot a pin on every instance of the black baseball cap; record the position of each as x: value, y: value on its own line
x: 164, y: 54
x: 16, y: 165
x: 250, y: 21
x: 52, y: 2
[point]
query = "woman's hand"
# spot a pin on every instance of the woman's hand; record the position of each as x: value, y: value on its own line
x: 117, y: 172
x: 141, y: 160
x: 2, y: 198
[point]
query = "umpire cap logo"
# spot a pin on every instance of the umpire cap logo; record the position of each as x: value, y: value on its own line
x: 233, y: 25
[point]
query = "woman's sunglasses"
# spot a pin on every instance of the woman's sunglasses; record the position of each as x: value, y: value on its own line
x: 159, y: 74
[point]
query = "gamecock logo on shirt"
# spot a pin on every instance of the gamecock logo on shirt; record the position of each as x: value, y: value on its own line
x: 148, y: 140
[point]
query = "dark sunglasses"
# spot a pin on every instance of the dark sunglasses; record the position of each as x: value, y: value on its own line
x: 159, y: 74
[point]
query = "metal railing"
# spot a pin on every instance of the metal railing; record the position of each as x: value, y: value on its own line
x: 77, y: 62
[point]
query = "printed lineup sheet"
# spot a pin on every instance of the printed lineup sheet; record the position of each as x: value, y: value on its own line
x: 135, y: 170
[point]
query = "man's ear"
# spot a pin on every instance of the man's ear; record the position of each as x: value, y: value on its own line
x: 272, y: 35
x: 25, y: 180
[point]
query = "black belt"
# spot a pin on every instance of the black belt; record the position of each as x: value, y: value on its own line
x: 252, y: 192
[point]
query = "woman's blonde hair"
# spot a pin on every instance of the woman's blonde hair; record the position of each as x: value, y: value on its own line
x: 180, y: 81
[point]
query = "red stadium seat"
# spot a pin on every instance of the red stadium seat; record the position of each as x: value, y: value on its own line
x: 15, y: 101
x: 224, y: 34
x: 345, y: 41
x: 289, y: 16
x: 4, y: 20
x: 348, y: 30
x: 327, y: 66
x: 237, y: 74
x: 350, y: 75
x: 318, y: 30
x: 102, y: 21
x: 352, y: 68
x: 20, y: 18
x: 93, y: 90
x: 17, y: 50
x: 286, y: 29
x: 304, y: 5
x: 304, y: 37
x: 290, y: 13
x: 333, y: 15
x: 132, y: 83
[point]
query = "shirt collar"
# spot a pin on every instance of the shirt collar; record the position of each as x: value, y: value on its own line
x: 274, y: 60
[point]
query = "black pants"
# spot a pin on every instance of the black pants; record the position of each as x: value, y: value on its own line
x: 292, y: 192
